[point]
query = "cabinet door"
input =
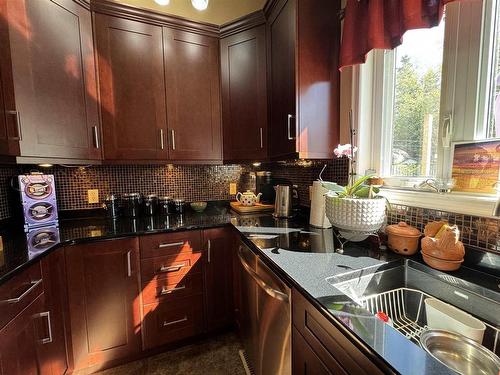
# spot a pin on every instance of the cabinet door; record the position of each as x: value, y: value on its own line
x: 54, y: 359
x: 305, y: 361
x: 219, y: 277
x: 193, y: 96
x: 103, y: 292
x: 52, y: 78
x: 22, y: 339
x: 132, y: 89
x: 281, y: 44
x: 244, y: 97
x: 9, y: 137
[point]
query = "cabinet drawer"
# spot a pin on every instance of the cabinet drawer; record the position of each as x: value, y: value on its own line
x: 162, y: 268
x: 172, y: 287
x: 327, y: 342
x: 19, y: 292
x: 170, y: 243
x: 167, y: 322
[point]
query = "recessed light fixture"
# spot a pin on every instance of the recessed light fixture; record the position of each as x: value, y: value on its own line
x: 200, y: 4
x: 162, y: 2
x: 45, y: 165
x: 257, y: 164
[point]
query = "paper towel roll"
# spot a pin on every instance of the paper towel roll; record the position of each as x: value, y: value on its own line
x: 318, y: 213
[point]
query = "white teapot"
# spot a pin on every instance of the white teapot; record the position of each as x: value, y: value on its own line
x: 248, y: 198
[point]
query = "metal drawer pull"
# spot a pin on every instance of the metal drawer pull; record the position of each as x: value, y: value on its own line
x: 46, y: 314
x: 173, y: 139
x: 289, y: 118
x: 95, y: 132
x: 170, y: 269
x: 129, y: 263
x: 175, y: 321
x: 34, y: 284
x: 168, y: 291
x: 163, y: 245
x: 209, y: 250
x: 18, y: 123
x: 261, y: 139
x: 270, y: 291
x: 162, y: 142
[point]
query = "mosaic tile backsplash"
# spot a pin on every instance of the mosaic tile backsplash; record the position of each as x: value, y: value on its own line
x: 477, y: 232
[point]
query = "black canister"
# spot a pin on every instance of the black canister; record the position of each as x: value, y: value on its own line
x: 112, y: 205
x: 165, y: 206
x: 131, y: 204
x: 179, y: 205
x: 150, y: 205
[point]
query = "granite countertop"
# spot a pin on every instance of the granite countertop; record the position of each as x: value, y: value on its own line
x: 305, y: 257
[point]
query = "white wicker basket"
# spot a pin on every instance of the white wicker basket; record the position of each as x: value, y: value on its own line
x: 356, y: 214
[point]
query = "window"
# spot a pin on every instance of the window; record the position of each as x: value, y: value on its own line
x: 441, y: 85
x: 413, y: 108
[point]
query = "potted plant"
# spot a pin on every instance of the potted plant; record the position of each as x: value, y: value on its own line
x: 356, y: 206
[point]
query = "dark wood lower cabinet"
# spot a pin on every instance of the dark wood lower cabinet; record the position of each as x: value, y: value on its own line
x: 21, y: 351
x: 219, y: 277
x: 103, y: 292
x: 305, y: 361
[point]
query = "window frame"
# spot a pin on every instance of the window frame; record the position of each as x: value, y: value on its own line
x: 463, y: 35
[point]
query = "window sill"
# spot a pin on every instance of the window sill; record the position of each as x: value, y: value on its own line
x: 478, y: 205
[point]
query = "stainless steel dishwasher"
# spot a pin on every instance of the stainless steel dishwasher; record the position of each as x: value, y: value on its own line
x: 265, y: 316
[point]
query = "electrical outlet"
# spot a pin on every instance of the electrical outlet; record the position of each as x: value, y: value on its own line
x: 232, y: 188
x: 93, y: 196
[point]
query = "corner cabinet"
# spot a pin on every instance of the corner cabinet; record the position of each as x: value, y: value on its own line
x: 193, y: 96
x: 49, y: 81
x: 303, y: 38
x: 132, y: 89
x: 244, y: 95
x: 104, y: 302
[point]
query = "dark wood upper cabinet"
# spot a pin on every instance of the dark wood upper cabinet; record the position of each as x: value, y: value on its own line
x: 303, y: 41
x: 244, y: 96
x: 193, y: 96
x: 132, y: 89
x: 9, y: 136
x: 220, y: 245
x: 103, y: 293
x: 48, y: 74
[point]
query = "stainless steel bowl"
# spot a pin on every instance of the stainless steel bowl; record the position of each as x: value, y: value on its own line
x: 459, y: 352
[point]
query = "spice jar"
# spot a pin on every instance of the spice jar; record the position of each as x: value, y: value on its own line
x: 150, y: 204
x: 403, y: 238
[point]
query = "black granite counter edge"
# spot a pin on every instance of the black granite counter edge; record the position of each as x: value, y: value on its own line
x: 75, y: 241
x: 358, y: 342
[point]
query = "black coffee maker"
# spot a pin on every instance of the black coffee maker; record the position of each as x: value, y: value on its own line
x: 264, y: 184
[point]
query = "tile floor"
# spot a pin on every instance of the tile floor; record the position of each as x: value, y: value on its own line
x: 214, y: 356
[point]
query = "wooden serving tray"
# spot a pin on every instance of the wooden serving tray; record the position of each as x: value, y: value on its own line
x: 258, y: 207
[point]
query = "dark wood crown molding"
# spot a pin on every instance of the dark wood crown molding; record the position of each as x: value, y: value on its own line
x: 83, y: 3
x: 269, y: 6
x: 149, y: 16
x: 243, y: 23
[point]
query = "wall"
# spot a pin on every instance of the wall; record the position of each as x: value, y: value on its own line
x: 212, y: 183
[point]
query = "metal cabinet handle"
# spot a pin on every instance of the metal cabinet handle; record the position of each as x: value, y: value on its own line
x: 172, y: 132
x: 95, y: 132
x: 289, y: 118
x: 175, y: 321
x: 163, y: 245
x: 270, y: 291
x: 261, y: 138
x: 34, y: 284
x: 129, y: 263
x: 46, y: 314
x: 170, y: 268
x: 209, y: 250
x: 168, y: 291
x: 162, y: 142
x: 18, y: 122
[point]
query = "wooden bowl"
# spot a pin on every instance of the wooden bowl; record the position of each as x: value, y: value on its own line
x: 441, y: 264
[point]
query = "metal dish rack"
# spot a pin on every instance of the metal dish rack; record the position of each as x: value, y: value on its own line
x: 406, y: 309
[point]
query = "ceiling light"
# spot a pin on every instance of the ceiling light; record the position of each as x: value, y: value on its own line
x: 162, y: 2
x: 200, y: 4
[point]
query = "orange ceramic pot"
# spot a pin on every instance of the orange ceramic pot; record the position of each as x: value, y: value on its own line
x: 403, y: 238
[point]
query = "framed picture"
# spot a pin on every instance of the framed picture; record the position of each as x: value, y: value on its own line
x: 476, y: 166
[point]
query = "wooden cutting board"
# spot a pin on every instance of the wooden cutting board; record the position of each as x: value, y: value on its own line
x: 258, y: 207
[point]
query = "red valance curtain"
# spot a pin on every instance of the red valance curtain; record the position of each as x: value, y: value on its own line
x: 370, y: 24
